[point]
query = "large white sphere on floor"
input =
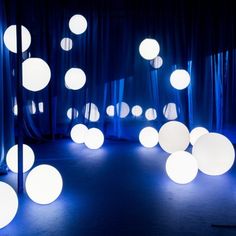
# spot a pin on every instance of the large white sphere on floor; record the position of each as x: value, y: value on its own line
x: 12, y: 158
x: 174, y: 136
x: 214, y: 153
x: 44, y: 184
x: 8, y: 204
x: 94, y: 138
x: 149, y: 48
x: 148, y: 137
x: 196, y: 133
x: 78, y: 133
x: 181, y: 167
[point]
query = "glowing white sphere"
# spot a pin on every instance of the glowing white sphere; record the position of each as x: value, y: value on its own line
x: 36, y: 74
x: 66, y: 44
x: 8, y: 204
x: 78, y: 24
x: 174, y: 136
x: 110, y: 110
x: 151, y: 114
x: 148, y: 137
x: 72, y: 113
x: 78, y: 133
x: 170, y: 111
x: 91, y: 112
x: 12, y: 158
x: 149, y: 48
x: 137, y: 110
x: 41, y: 107
x: 181, y: 167
x: 44, y: 184
x: 196, y: 133
x: 15, y: 109
x: 94, y: 138
x: 10, y: 40
x: 122, y: 109
x: 75, y: 79
x: 214, y: 153
x: 180, y: 79
x: 156, y: 62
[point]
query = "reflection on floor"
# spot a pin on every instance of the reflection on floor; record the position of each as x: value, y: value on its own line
x: 122, y: 189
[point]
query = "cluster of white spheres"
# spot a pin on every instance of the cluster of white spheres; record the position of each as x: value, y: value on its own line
x: 78, y: 133
x: 12, y: 158
x: 149, y: 48
x: 137, y: 110
x: 151, y: 114
x: 8, y: 204
x: 180, y: 79
x: 94, y: 138
x: 72, y: 113
x: 148, y: 137
x: 75, y: 79
x: 78, y: 24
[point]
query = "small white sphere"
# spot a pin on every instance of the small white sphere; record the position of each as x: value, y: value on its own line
x: 8, y: 204
x: 122, y: 109
x: 78, y: 24
x: 36, y: 74
x: 44, y: 184
x: 75, y: 79
x: 181, y: 167
x: 156, y: 62
x: 94, y: 138
x: 110, y: 110
x: 214, y: 153
x: 10, y: 40
x: 170, y: 111
x: 149, y: 48
x: 137, y: 110
x: 148, y: 137
x: 78, y: 133
x: 151, y: 114
x: 196, y: 133
x: 174, y: 136
x: 180, y: 79
x: 72, y: 113
x: 66, y: 44
x: 12, y: 158
x: 91, y: 112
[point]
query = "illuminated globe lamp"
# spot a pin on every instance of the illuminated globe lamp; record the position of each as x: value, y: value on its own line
x: 122, y: 109
x: 214, y: 153
x: 149, y: 48
x: 170, y: 111
x: 174, y: 136
x: 181, y: 167
x: 157, y: 62
x: 91, y: 112
x: 137, y: 110
x: 41, y: 107
x: 36, y: 74
x: 10, y: 40
x: 151, y: 114
x: 66, y: 44
x: 94, y: 138
x: 180, y: 79
x: 72, y: 113
x: 148, y: 137
x: 75, y: 79
x: 196, y: 133
x: 8, y: 204
x: 78, y: 133
x: 110, y: 110
x: 12, y: 158
x: 78, y: 24
x: 44, y: 184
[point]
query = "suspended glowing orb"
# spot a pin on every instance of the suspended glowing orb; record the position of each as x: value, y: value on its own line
x: 75, y: 79
x: 41, y: 107
x: 110, y: 110
x: 12, y: 158
x: 157, y: 62
x: 72, y: 113
x: 137, y: 110
x: 78, y: 24
x: 122, y: 109
x: 151, y: 114
x: 196, y: 133
x: 10, y: 40
x: 66, y: 44
x: 44, y: 184
x: 174, y: 136
x: 91, y: 112
x: 181, y: 167
x: 8, y: 204
x: 36, y: 74
x: 94, y: 138
x: 214, y: 153
x: 148, y: 137
x: 180, y: 79
x: 149, y: 49
x: 78, y: 133
x: 170, y: 111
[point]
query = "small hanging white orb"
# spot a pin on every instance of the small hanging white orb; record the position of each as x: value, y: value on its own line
x: 75, y: 79
x: 180, y: 79
x: 78, y: 24
x: 110, y: 110
x: 137, y: 110
x: 149, y: 48
x: 66, y: 44
x: 151, y: 114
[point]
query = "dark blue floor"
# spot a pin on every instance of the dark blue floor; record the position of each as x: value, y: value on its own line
x: 122, y: 189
